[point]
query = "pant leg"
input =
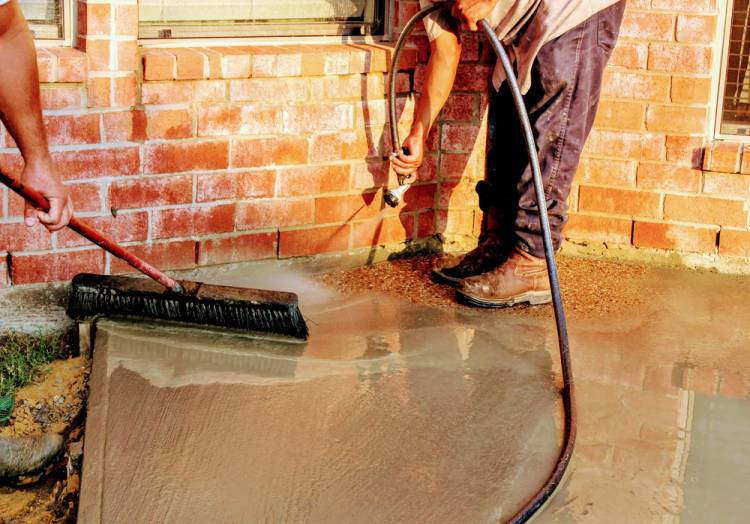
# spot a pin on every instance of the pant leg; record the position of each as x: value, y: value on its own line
x: 562, y: 103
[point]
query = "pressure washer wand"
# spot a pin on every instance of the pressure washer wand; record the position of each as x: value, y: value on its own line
x: 394, y: 196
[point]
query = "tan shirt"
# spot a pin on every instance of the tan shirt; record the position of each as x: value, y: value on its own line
x: 547, y: 19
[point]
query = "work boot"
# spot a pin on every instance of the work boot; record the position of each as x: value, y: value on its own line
x: 26, y: 456
x: 521, y: 278
x: 452, y: 269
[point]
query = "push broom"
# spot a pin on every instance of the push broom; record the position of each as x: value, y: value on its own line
x: 166, y: 298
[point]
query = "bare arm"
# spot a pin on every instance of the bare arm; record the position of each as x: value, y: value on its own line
x: 20, y: 111
x: 445, y: 54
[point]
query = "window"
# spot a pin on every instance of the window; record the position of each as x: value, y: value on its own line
x: 735, y: 98
x: 46, y: 18
x: 238, y: 18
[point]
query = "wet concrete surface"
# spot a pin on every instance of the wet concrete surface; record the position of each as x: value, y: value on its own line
x: 401, y: 412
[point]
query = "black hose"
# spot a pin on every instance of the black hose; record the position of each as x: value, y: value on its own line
x: 568, y: 391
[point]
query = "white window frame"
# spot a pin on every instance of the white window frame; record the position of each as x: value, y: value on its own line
x: 721, y: 50
x: 67, y: 20
x: 271, y: 36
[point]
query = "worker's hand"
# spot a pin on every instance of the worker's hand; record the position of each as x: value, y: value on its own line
x: 408, y: 161
x: 42, y: 176
x: 470, y: 12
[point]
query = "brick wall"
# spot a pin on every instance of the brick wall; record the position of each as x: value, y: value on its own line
x: 652, y: 178
x: 205, y: 155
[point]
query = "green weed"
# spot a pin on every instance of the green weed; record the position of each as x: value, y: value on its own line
x: 24, y: 358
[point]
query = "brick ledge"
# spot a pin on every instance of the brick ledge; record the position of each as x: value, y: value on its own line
x: 62, y: 64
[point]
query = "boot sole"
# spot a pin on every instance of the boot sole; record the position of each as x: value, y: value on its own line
x: 534, y: 298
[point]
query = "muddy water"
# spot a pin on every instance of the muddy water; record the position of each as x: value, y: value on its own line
x: 391, y: 413
x: 395, y: 412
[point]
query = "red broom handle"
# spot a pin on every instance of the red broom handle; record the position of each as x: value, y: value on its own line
x: 83, y: 229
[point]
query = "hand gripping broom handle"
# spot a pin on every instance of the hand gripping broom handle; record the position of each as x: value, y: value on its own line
x: 83, y: 229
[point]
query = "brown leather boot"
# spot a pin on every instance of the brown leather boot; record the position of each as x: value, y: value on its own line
x: 452, y: 269
x: 26, y: 456
x: 521, y: 278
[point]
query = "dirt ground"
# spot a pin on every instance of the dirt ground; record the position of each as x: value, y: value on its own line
x: 55, y: 403
x: 590, y: 288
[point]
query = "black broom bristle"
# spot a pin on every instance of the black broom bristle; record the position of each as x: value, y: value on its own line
x: 248, y: 309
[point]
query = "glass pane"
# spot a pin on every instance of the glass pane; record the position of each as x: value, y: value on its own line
x: 736, y: 114
x: 45, y: 17
x: 229, y: 17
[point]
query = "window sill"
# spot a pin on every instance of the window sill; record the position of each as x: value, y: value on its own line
x: 232, y: 62
x: 62, y: 64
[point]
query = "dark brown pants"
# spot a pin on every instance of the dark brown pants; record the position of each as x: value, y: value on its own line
x: 562, y: 103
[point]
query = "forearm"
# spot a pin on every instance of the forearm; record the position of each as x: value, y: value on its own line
x: 20, y: 108
x: 439, y: 77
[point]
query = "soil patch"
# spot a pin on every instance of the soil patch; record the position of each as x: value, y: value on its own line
x: 55, y: 403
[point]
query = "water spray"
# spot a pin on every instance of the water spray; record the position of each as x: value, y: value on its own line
x: 394, y: 197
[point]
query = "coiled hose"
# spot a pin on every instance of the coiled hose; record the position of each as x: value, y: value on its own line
x: 568, y: 390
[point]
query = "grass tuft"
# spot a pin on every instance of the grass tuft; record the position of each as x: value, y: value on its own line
x: 24, y: 358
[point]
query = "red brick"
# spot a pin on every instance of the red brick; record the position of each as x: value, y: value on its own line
x: 690, y: 90
x: 190, y: 64
x: 72, y: 64
x: 61, y: 97
x: 675, y: 237
x: 705, y: 210
x: 46, y: 65
x: 454, y: 166
x: 419, y: 198
x: 17, y: 237
x: 122, y: 228
x: 458, y: 137
x: 346, y: 208
x: 269, y: 90
x: 312, y: 118
x: 242, y: 185
x: 679, y: 58
x: 260, y: 152
x: 95, y: 163
x: 345, y: 87
x: 620, y: 114
x: 389, y: 230
x: 676, y: 119
x: 168, y: 123
x: 685, y: 5
x: 460, y: 107
x: 723, y: 157
x: 630, y: 55
x: 236, y: 249
x: 29, y: 269
x: 426, y: 224
x: 668, y: 177
x: 183, y: 92
x: 72, y: 129
x: 127, y: 55
x: 124, y: 126
x: 599, y: 228
x: 723, y: 184
x: 312, y: 180
x: 151, y: 192
x: 686, y: 150
x: 87, y: 198
x: 370, y: 174
x: 4, y: 276
x: 98, y: 19
x: 349, y: 145
x: 606, y: 171
x: 648, y: 26
x: 185, y: 156
x: 99, y: 92
x: 164, y: 255
x: 234, y: 62
x: 193, y: 221
x: 734, y: 242
x: 745, y: 166
x: 159, y: 64
x: 124, y: 91
x: 619, y: 201
x: 275, y: 213
x: 641, y: 86
x: 306, y: 242
x: 696, y: 29
x: 126, y: 19
x: 621, y: 144
x: 221, y: 120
